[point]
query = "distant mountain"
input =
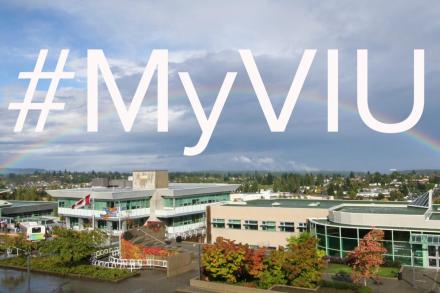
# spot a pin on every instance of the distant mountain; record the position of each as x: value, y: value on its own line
x: 21, y: 171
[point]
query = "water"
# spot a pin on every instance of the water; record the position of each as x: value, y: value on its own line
x: 149, y: 281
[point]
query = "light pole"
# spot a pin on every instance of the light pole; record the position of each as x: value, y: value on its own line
x: 27, y: 253
x: 28, y: 264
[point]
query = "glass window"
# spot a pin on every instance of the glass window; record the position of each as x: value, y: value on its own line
x: 218, y: 223
x: 268, y: 226
x: 349, y: 244
x: 402, y: 248
x: 363, y: 232
x: 388, y: 246
x: 387, y: 234
x: 302, y: 227
x: 320, y: 229
x: 418, y: 250
x: 332, y: 252
x: 251, y: 225
x: 321, y: 241
x: 287, y: 226
x: 418, y: 262
x: 332, y: 231
x: 401, y: 235
x: 36, y: 230
x: 234, y: 224
x: 333, y: 242
x: 431, y: 250
x: 349, y: 233
x: 403, y: 260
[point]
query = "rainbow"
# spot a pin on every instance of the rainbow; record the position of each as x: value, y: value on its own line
x: 21, y: 155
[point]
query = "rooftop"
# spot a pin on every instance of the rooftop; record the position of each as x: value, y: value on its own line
x: 173, y: 190
x: 384, y: 210
x: 19, y: 206
x: 310, y: 203
x: 327, y: 222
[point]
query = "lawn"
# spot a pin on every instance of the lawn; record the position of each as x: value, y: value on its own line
x: 383, y: 271
x: 81, y: 270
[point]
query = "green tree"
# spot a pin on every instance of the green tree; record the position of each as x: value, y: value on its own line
x: 69, y: 246
x: 273, y: 273
x: 20, y: 242
x: 396, y: 195
x: 303, y: 261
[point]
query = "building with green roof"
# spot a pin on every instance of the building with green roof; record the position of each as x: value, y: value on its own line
x: 412, y: 229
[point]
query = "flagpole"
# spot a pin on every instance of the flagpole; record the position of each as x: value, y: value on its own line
x: 120, y: 228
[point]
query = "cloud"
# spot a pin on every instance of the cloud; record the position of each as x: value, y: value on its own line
x: 206, y: 45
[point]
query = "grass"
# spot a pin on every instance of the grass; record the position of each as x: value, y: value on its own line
x: 81, y: 270
x: 383, y: 271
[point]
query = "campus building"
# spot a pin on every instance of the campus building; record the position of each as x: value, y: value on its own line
x: 19, y: 209
x: 263, y: 222
x: 117, y: 205
x: 412, y: 230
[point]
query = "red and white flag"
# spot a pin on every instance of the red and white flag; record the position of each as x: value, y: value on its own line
x: 82, y: 202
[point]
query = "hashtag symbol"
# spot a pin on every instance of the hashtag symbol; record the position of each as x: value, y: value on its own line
x: 34, y: 77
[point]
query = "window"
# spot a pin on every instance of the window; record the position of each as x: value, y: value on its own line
x: 287, y: 226
x: 251, y: 225
x: 349, y: 233
x: 331, y: 230
x: 234, y: 224
x: 320, y: 229
x: 36, y: 230
x: 268, y: 226
x: 401, y: 235
x: 61, y: 203
x: 302, y: 227
x: 218, y: 223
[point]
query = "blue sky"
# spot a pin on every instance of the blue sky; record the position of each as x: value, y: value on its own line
x: 203, y: 38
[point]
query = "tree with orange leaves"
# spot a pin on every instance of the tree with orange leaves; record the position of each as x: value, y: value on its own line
x: 225, y: 260
x: 366, y: 259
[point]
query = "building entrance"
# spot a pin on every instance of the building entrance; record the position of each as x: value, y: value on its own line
x: 434, y: 256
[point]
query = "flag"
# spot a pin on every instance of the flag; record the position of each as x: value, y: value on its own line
x: 82, y: 202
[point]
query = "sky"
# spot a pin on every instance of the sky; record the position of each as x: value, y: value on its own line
x: 203, y: 38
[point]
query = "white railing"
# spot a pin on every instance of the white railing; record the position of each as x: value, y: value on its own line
x: 170, y: 211
x: 186, y: 231
x: 132, y: 264
x: 185, y: 228
x: 114, y: 251
x: 143, y: 212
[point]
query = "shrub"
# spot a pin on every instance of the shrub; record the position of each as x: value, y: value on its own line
x: 51, y: 265
x: 391, y: 263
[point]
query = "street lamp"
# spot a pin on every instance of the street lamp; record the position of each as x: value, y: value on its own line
x: 28, y: 254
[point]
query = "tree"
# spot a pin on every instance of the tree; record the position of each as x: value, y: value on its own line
x: 69, y: 246
x: 396, y: 195
x: 227, y: 261
x: 303, y: 261
x: 19, y: 241
x: 366, y: 259
x: 273, y: 273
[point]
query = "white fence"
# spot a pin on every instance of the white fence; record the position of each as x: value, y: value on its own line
x: 132, y: 264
